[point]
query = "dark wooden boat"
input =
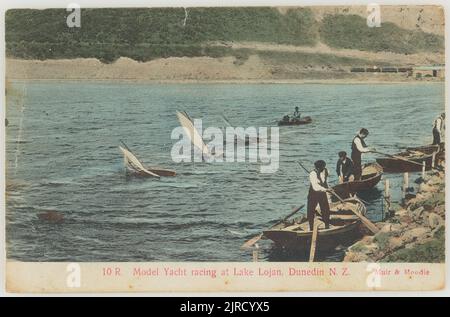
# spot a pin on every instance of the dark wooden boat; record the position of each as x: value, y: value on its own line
x: 371, y: 176
x: 157, y: 171
x: 407, y: 161
x: 304, y: 120
x: 345, y: 227
x: 429, y: 149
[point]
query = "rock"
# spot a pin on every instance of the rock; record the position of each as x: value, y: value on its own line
x: 355, y: 257
x: 386, y: 228
x: 435, y: 221
x: 380, y: 224
x: 382, y: 238
x: 407, y: 220
x: 415, y: 234
x: 358, y: 247
x: 440, y: 210
x: 434, y: 180
x: 421, y: 196
x: 417, y: 213
x: 391, y: 228
x: 372, y: 248
x: 51, y: 216
x: 395, y: 243
x: 401, y: 212
x: 367, y: 240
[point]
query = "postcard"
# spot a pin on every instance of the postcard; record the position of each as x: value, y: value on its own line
x: 210, y: 149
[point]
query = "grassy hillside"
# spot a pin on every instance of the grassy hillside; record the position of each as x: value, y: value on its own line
x: 351, y: 31
x: 146, y: 34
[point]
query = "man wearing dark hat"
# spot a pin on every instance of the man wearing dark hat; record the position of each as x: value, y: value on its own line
x: 359, y: 147
x: 344, y: 168
x: 318, y: 194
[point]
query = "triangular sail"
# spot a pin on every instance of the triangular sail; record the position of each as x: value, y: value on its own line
x: 132, y: 162
x: 192, y: 132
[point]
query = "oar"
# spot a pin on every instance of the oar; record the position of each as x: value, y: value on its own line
x: 312, y: 251
x: 306, y: 170
x: 369, y: 224
x: 398, y: 158
x: 255, y: 239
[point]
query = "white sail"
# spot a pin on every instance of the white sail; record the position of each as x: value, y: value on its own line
x: 192, y: 132
x: 132, y: 162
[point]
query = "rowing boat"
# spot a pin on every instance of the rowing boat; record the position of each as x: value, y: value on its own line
x: 411, y: 160
x: 429, y: 149
x: 371, y: 176
x: 304, y: 120
x: 345, y: 228
x: 134, y: 167
x: 406, y: 162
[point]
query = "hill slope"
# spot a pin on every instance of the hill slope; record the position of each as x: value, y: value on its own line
x: 147, y: 34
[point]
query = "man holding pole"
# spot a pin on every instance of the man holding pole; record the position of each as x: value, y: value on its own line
x: 359, y: 147
x: 318, y: 194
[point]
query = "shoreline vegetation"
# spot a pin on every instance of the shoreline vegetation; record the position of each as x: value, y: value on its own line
x: 414, y: 234
x: 239, y: 44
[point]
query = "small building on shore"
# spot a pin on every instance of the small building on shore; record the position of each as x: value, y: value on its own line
x: 434, y: 71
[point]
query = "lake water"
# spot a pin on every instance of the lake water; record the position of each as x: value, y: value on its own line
x: 68, y: 160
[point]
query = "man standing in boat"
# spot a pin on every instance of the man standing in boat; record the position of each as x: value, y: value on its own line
x: 359, y: 147
x: 438, y: 127
x: 297, y: 114
x: 344, y: 168
x: 318, y: 194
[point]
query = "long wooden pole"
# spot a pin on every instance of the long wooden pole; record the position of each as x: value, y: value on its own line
x: 405, y: 184
x: 398, y: 158
x: 369, y: 224
x: 312, y: 251
x: 387, y: 197
x: 258, y: 237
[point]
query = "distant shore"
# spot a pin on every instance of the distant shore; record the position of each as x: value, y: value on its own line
x: 187, y: 70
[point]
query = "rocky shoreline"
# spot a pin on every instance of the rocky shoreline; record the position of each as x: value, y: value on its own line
x: 415, y: 233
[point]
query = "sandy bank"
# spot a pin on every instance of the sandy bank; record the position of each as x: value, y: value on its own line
x: 189, y: 70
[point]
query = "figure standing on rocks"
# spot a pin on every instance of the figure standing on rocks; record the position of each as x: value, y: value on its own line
x: 438, y: 128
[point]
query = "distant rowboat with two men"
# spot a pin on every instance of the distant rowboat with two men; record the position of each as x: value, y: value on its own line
x: 295, y: 121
